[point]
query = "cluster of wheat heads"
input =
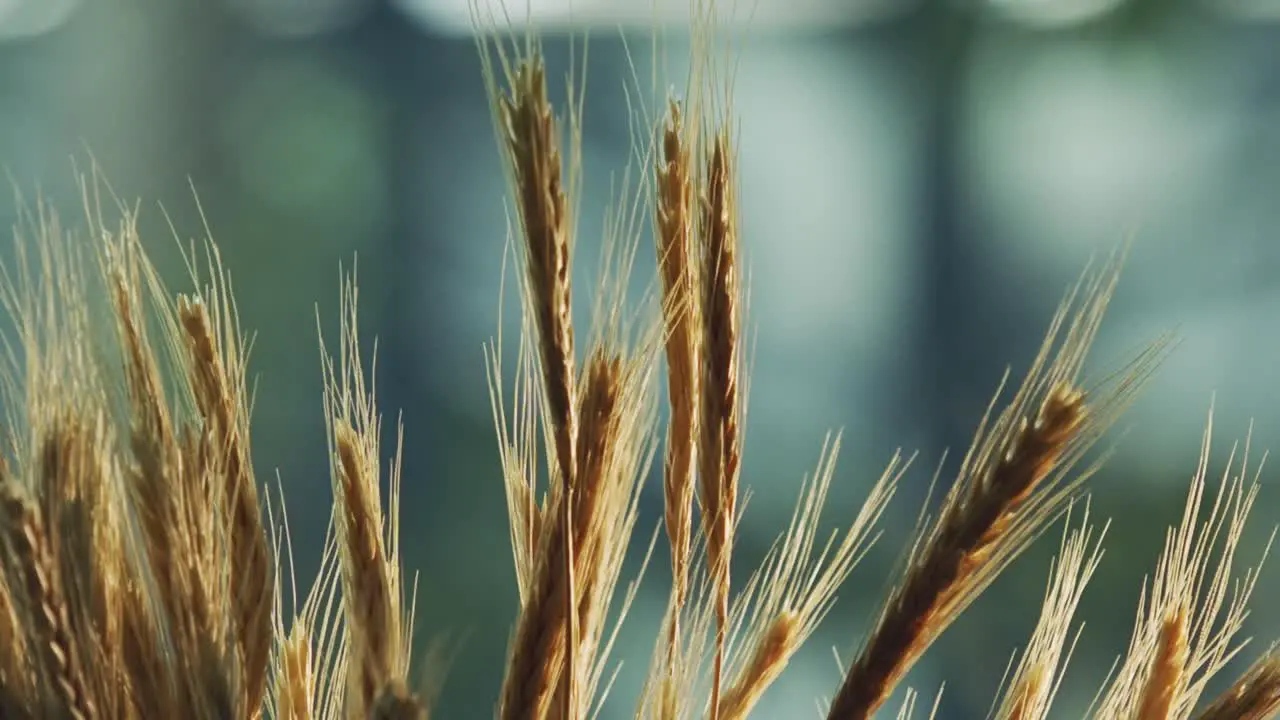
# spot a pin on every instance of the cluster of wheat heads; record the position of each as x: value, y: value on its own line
x: 141, y: 571
x: 723, y: 641
x: 142, y: 568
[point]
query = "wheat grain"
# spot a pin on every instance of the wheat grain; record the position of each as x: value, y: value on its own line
x: 1164, y: 681
x: 294, y: 683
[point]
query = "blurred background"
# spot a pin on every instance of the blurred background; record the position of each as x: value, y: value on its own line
x: 921, y: 182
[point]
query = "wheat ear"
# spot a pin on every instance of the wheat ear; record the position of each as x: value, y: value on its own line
x: 548, y: 615
x: 30, y: 561
x: 216, y: 368
x: 675, y: 225
x: 1035, y: 681
x: 1012, y: 482
x: 1194, y: 578
x: 719, y: 445
x: 795, y: 587
x: 377, y: 645
x: 1254, y: 696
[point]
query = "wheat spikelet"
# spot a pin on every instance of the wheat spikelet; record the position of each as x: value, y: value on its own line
x: 1026, y: 693
x: 796, y: 585
x: 309, y: 656
x: 1168, y: 664
x: 535, y: 157
x: 517, y: 446
x: 1255, y: 696
x: 768, y: 658
x: 1034, y: 682
x: 294, y: 683
x: 371, y: 616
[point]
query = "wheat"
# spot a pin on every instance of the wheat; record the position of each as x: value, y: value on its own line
x: 294, y: 683
x: 1193, y: 588
x: 46, y: 608
x: 142, y: 568
x: 1168, y: 664
x: 1034, y: 683
x: 1255, y: 696
x: 674, y: 223
x: 719, y: 443
x: 1017, y: 475
x: 376, y: 634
